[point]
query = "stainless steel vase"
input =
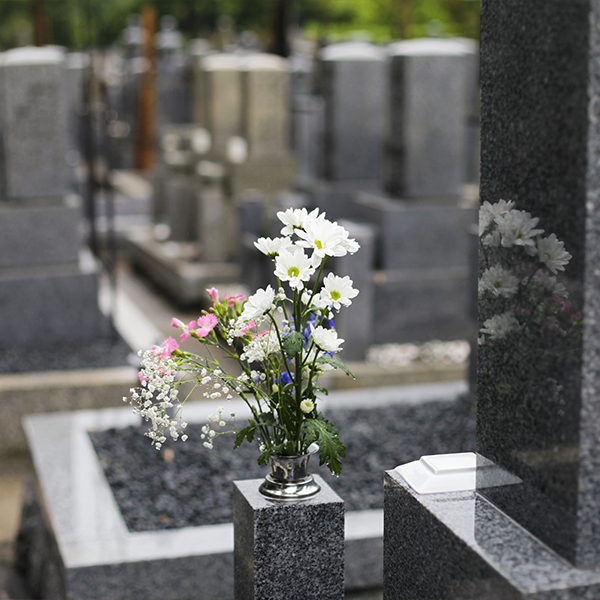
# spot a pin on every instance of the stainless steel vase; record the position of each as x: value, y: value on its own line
x: 289, y: 479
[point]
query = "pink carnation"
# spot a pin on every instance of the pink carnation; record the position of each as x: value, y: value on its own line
x: 206, y: 323
x: 213, y: 293
x: 166, y: 349
x: 185, y: 328
x: 231, y: 300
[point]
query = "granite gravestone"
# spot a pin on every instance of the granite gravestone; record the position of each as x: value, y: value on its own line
x: 433, y: 91
x: 270, y: 166
x: 221, y: 85
x: 539, y: 375
x: 42, y: 275
x: 354, y: 81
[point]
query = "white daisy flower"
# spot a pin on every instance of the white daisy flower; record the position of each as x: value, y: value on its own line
x: 295, y: 219
x: 500, y: 325
x: 517, y: 229
x: 551, y: 285
x: 324, y: 237
x: 258, y: 304
x: 293, y: 266
x: 338, y: 291
x: 317, y: 300
x: 488, y: 212
x: 272, y: 247
x: 552, y: 253
x: 498, y: 281
x: 326, y: 339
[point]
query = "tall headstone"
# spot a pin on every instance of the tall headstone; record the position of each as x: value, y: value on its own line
x: 433, y: 90
x: 33, y: 123
x: 531, y: 528
x: 48, y: 293
x: 354, y: 81
x: 222, y: 90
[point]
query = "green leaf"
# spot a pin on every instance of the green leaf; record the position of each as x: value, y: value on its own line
x: 330, y: 445
x: 263, y: 458
x: 292, y: 343
x: 246, y: 433
x: 336, y: 364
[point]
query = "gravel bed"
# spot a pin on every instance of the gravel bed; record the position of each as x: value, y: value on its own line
x: 184, y: 484
x: 96, y: 354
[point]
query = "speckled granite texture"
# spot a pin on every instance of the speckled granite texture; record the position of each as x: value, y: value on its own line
x: 306, y: 563
x: 458, y: 546
x: 539, y: 393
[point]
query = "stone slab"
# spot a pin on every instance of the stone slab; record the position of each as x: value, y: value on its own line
x: 184, y: 280
x: 421, y: 305
x: 417, y: 234
x: 96, y: 556
x: 458, y: 545
x: 37, y: 236
x: 49, y: 307
x: 287, y: 550
x: 355, y: 89
x: 33, y: 123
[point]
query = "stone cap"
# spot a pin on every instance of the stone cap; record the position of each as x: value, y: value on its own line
x: 34, y: 55
x: 262, y: 61
x: 222, y: 61
x: 352, y: 51
x: 434, y: 47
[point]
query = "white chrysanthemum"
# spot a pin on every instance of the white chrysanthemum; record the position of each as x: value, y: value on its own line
x: 500, y: 325
x: 272, y: 247
x: 324, y: 237
x: 517, y: 229
x: 498, y: 281
x: 552, y: 253
x: 488, y: 212
x: 326, y: 339
x: 349, y: 243
x: 295, y: 219
x: 492, y: 240
x: 551, y: 285
x: 263, y: 344
x: 317, y: 301
x: 338, y: 291
x: 258, y: 304
x: 293, y: 266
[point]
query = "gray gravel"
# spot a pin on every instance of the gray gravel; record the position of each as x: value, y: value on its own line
x: 185, y: 484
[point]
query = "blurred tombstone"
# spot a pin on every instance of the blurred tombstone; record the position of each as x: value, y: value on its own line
x: 48, y: 286
x: 434, y: 97
x: 199, y: 48
x: 222, y: 95
x: 173, y: 103
x: 354, y: 80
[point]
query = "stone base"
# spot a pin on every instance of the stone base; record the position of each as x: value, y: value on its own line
x: 184, y: 280
x: 420, y: 305
x: 50, y: 305
x: 287, y: 550
x: 458, y: 546
x: 417, y: 234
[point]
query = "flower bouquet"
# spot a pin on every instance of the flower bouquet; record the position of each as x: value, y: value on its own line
x: 280, y: 341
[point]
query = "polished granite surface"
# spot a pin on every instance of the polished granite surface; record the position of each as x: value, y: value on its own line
x: 539, y: 378
x: 458, y: 545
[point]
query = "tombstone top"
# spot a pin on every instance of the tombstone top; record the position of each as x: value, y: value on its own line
x: 200, y: 47
x: 33, y: 55
x: 222, y: 62
x: 353, y: 51
x: 433, y: 47
x: 265, y: 62
x: 77, y: 60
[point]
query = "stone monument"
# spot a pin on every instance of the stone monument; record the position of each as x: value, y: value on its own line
x: 530, y: 528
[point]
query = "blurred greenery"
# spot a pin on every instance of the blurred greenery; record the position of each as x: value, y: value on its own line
x: 84, y: 23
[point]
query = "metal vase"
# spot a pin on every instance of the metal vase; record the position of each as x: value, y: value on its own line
x: 289, y: 479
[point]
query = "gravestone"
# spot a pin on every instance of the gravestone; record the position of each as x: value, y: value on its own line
x: 173, y: 81
x: 530, y: 528
x: 221, y: 85
x: 270, y: 166
x: 433, y: 92
x: 355, y: 89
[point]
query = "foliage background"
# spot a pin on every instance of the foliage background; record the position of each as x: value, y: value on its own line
x: 83, y: 23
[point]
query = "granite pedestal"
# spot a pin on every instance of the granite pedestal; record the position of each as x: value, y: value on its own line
x: 287, y: 550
